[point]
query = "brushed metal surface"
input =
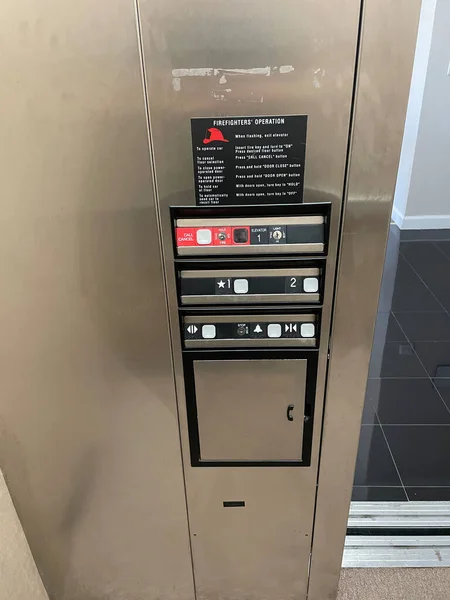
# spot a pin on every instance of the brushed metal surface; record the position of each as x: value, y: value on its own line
x: 89, y: 439
x: 251, y: 249
x: 253, y: 343
x: 250, y: 221
x: 310, y: 318
x: 251, y: 299
x: 307, y: 272
x: 89, y: 436
x: 387, y: 50
x: 242, y: 405
x: 308, y: 48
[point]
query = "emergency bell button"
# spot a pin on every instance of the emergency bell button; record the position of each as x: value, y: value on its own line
x: 209, y: 331
x: 240, y: 286
x: 274, y: 330
x: 204, y: 237
x: 307, y: 330
x: 310, y: 284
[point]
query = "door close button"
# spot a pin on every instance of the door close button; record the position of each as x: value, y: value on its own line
x: 307, y: 330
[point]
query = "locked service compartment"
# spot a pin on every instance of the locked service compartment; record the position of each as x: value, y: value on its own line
x: 250, y: 409
x: 251, y: 286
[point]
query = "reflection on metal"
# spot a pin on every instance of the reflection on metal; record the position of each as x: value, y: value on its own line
x: 379, y: 112
x: 388, y: 515
x: 97, y: 382
x: 396, y: 551
x: 225, y: 80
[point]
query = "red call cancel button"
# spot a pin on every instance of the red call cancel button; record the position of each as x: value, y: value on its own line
x: 213, y: 236
x: 186, y: 236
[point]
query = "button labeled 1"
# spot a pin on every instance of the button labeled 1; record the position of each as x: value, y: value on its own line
x: 240, y: 286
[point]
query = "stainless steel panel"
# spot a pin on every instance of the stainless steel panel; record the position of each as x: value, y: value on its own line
x: 89, y: 439
x: 308, y: 272
x: 389, y: 31
x: 250, y: 221
x: 260, y: 249
x: 310, y: 318
x: 249, y: 343
x: 242, y: 409
x: 307, y: 52
x: 251, y: 299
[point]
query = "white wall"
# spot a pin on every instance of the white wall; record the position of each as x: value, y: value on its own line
x: 422, y: 195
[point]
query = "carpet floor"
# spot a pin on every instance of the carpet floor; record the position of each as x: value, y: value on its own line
x: 395, y: 584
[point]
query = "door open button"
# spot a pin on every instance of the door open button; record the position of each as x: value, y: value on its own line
x: 209, y: 331
x: 240, y: 286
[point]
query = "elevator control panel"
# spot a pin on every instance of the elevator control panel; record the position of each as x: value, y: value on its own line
x: 250, y: 331
x: 246, y: 235
x: 250, y: 286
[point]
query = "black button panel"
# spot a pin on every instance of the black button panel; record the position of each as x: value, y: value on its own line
x: 209, y: 331
x: 296, y: 285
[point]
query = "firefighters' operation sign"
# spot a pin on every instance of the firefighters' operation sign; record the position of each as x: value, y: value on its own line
x: 249, y: 160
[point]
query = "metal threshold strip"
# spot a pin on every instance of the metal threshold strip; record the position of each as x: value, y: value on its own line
x: 398, y: 534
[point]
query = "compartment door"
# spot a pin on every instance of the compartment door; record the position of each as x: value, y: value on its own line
x: 250, y: 410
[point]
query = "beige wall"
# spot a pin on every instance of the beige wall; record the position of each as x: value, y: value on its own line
x: 19, y: 578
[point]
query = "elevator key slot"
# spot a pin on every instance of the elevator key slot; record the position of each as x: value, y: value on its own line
x: 248, y: 235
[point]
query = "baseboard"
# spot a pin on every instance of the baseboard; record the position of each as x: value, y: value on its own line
x: 422, y: 221
x: 397, y: 217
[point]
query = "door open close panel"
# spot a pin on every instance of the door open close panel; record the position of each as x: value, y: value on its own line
x: 250, y: 410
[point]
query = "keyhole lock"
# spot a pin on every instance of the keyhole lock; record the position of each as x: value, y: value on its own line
x: 289, y: 411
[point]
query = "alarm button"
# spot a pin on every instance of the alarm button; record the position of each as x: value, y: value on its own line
x: 311, y: 284
x: 204, y: 237
x: 308, y: 330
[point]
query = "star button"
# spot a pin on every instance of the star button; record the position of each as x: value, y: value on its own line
x: 221, y: 284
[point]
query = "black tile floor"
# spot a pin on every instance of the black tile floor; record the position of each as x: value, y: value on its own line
x: 404, y: 447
